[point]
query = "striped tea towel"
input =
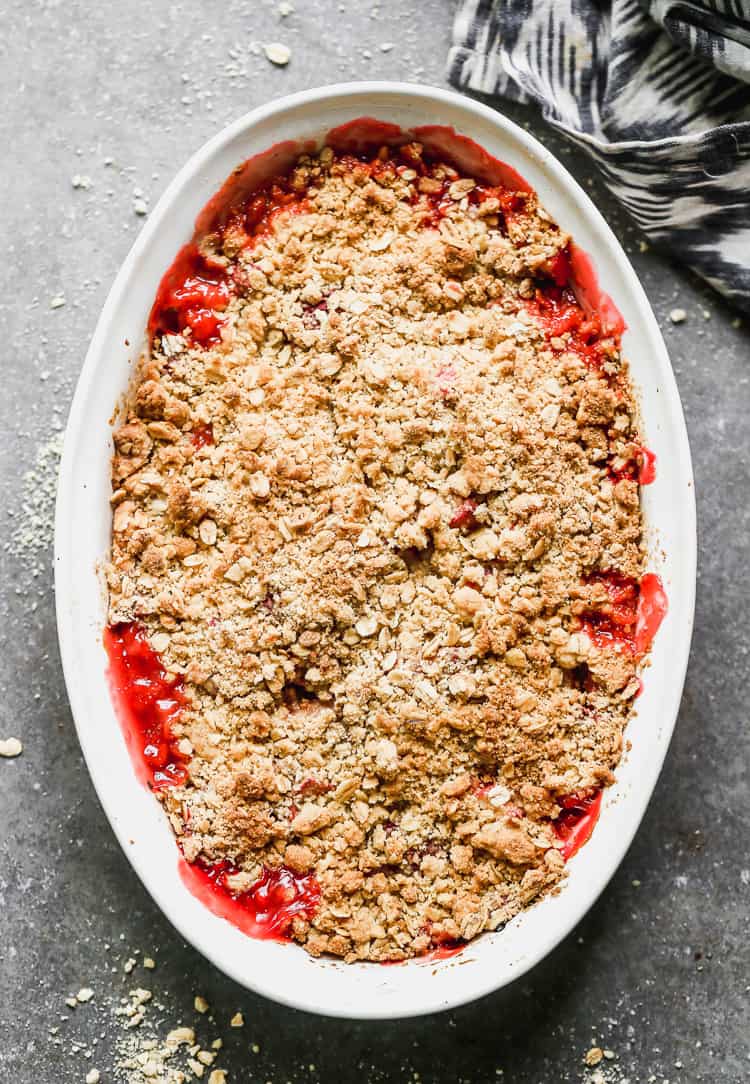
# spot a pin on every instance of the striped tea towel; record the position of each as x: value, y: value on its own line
x: 657, y: 92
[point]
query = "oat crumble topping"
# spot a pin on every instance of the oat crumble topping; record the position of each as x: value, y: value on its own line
x: 363, y: 520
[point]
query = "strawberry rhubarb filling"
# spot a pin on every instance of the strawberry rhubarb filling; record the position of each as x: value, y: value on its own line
x: 378, y: 593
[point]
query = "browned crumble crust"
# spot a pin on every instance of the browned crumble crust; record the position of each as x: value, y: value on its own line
x: 377, y: 697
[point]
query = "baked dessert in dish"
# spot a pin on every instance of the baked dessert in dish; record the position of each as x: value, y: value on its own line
x: 378, y: 595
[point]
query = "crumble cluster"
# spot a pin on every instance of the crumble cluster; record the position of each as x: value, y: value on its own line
x: 360, y: 526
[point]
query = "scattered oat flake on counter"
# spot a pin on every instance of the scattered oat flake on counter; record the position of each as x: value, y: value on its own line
x: 181, y: 1035
x: 200, y: 1004
x: 134, y: 1010
x: 84, y: 994
x: 278, y: 53
x: 609, y: 1071
x: 79, y: 180
x: 608, y: 1075
x: 144, y: 1059
x: 594, y: 1056
x: 93, y: 1076
x: 34, y: 526
x: 57, y: 301
x: 678, y: 316
x: 10, y: 747
x: 237, y: 1021
x: 147, y: 1055
x: 140, y: 206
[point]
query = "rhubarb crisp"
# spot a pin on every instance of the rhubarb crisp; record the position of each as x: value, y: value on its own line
x: 377, y: 590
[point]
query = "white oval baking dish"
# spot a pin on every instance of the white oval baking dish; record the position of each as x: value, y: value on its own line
x: 285, y: 972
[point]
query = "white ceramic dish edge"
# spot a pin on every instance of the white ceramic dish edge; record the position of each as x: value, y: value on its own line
x: 284, y: 972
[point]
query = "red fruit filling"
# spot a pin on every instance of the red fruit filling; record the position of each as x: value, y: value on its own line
x: 191, y: 295
x: 197, y: 289
x: 438, y: 201
x: 646, y: 466
x: 483, y: 786
x: 148, y: 702
x: 464, y: 515
x: 640, y: 468
x: 314, y: 786
x: 266, y: 910
x: 442, y: 947
x: 446, y: 377
x: 632, y: 614
x: 652, y: 609
x: 557, y: 310
x: 202, y: 435
x: 445, y: 949
x: 559, y: 268
x: 266, y: 204
x: 576, y: 821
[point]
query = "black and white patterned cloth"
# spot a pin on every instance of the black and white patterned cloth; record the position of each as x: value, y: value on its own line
x: 657, y: 92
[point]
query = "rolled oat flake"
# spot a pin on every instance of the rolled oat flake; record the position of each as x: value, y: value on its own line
x: 278, y: 53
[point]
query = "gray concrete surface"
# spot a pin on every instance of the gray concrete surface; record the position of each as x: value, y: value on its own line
x: 658, y: 971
